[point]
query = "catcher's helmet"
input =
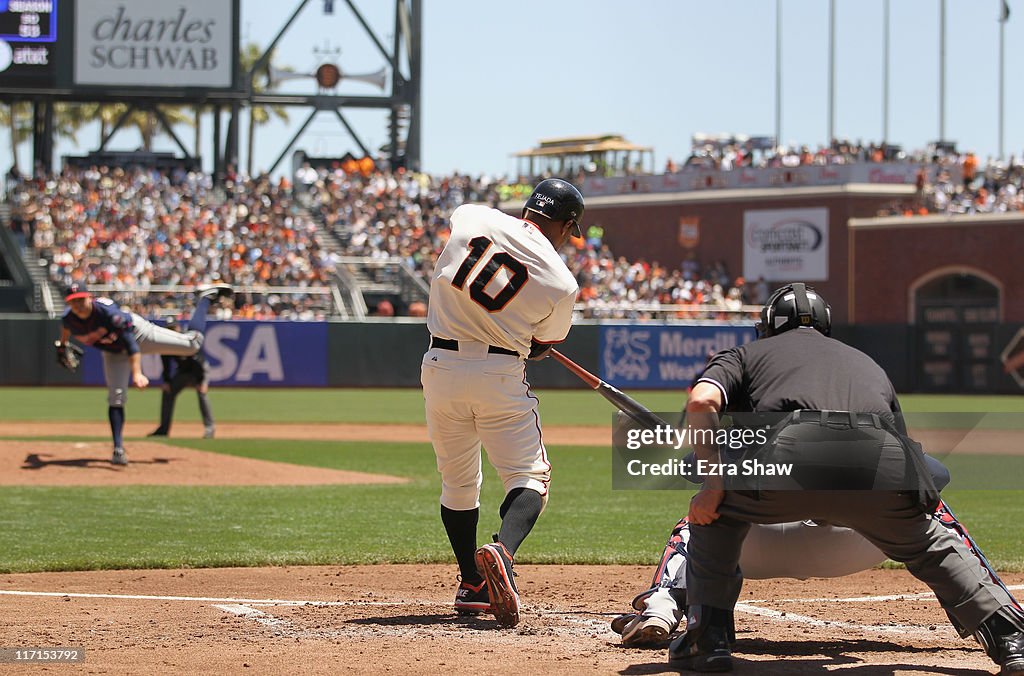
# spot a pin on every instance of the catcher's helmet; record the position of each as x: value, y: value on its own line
x: 558, y: 200
x: 793, y: 306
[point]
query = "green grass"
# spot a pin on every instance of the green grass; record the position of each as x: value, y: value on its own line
x: 72, y: 528
x: 84, y: 528
x: 389, y: 406
x: 156, y: 527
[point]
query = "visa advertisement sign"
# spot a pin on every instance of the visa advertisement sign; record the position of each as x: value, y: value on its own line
x: 663, y: 356
x: 247, y: 353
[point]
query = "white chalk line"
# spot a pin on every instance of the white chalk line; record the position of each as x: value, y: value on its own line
x: 248, y: 609
x: 786, y: 616
x: 243, y: 607
x: 866, y: 599
x: 205, y: 599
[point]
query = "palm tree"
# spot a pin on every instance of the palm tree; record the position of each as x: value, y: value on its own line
x: 17, y: 116
x: 259, y: 115
x: 69, y: 118
x: 145, y: 121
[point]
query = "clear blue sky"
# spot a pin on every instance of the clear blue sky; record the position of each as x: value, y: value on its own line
x: 498, y: 76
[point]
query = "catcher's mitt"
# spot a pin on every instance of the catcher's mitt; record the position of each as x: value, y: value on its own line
x: 69, y: 355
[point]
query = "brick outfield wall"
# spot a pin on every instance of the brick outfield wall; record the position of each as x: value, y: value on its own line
x: 891, y: 261
x: 886, y: 262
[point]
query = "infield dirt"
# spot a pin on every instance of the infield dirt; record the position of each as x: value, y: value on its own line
x: 399, y: 618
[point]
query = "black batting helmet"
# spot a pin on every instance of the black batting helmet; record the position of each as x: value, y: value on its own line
x: 793, y: 306
x: 558, y: 200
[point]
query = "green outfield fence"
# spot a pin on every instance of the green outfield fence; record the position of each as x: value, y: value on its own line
x: 387, y: 353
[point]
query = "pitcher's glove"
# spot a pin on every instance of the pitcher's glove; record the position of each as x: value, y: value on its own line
x: 69, y: 355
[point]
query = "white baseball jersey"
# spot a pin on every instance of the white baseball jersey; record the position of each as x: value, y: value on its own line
x: 499, y: 281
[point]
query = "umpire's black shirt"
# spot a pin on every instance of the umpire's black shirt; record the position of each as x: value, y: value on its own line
x: 802, y: 369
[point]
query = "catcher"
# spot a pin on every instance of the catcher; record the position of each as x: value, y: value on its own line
x: 122, y: 337
x: 798, y: 550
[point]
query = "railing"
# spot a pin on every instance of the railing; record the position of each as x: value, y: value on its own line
x: 387, y: 275
x: 699, y: 179
x: 351, y: 285
x: 744, y: 314
x: 413, y: 284
x: 326, y: 295
x: 47, y: 299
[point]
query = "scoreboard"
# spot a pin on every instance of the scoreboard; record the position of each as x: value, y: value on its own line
x: 28, y: 36
x: 28, y: 20
x: 116, y: 50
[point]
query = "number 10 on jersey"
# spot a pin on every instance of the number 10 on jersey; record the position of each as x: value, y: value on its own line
x: 518, y: 275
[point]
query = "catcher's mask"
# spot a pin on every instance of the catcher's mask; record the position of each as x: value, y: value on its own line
x: 793, y: 306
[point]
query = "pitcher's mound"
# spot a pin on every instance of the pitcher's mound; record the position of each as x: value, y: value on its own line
x: 76, y: 463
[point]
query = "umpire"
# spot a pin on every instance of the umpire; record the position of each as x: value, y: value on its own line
x: 179, y: 373
x: 843, y: 406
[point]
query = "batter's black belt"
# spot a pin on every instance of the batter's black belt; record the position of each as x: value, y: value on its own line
x: 839, y: 419
x: 447, y: 344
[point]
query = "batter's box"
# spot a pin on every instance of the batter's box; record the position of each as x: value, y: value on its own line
x: 410, y: 619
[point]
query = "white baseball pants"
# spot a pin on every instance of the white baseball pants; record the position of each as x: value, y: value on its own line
x: 472, y: 398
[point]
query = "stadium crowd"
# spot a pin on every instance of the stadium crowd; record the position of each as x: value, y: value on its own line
x: 613, y: 287
x: 726, y: 153
x: 137, y: 229
x: 996, y: 188
x: 404, y: 216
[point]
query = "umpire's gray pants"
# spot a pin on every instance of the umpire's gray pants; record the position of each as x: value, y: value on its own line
x: 892, y: 521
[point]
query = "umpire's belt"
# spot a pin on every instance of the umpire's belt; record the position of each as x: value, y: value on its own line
x: 446, y: 344
x: 838, y: 419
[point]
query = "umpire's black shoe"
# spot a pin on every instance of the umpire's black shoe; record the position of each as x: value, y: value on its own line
x: 1004, y: 642
x: 705, y: 645
x: 158, y: 432
x: 1011, y: 653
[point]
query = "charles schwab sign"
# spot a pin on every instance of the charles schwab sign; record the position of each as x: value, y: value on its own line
x: 154, y: 43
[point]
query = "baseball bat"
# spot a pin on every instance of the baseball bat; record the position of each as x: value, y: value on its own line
x: 631, y: 407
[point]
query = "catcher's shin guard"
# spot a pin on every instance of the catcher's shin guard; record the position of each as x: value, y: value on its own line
x: 672, y: 558
x: 944, y: 515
